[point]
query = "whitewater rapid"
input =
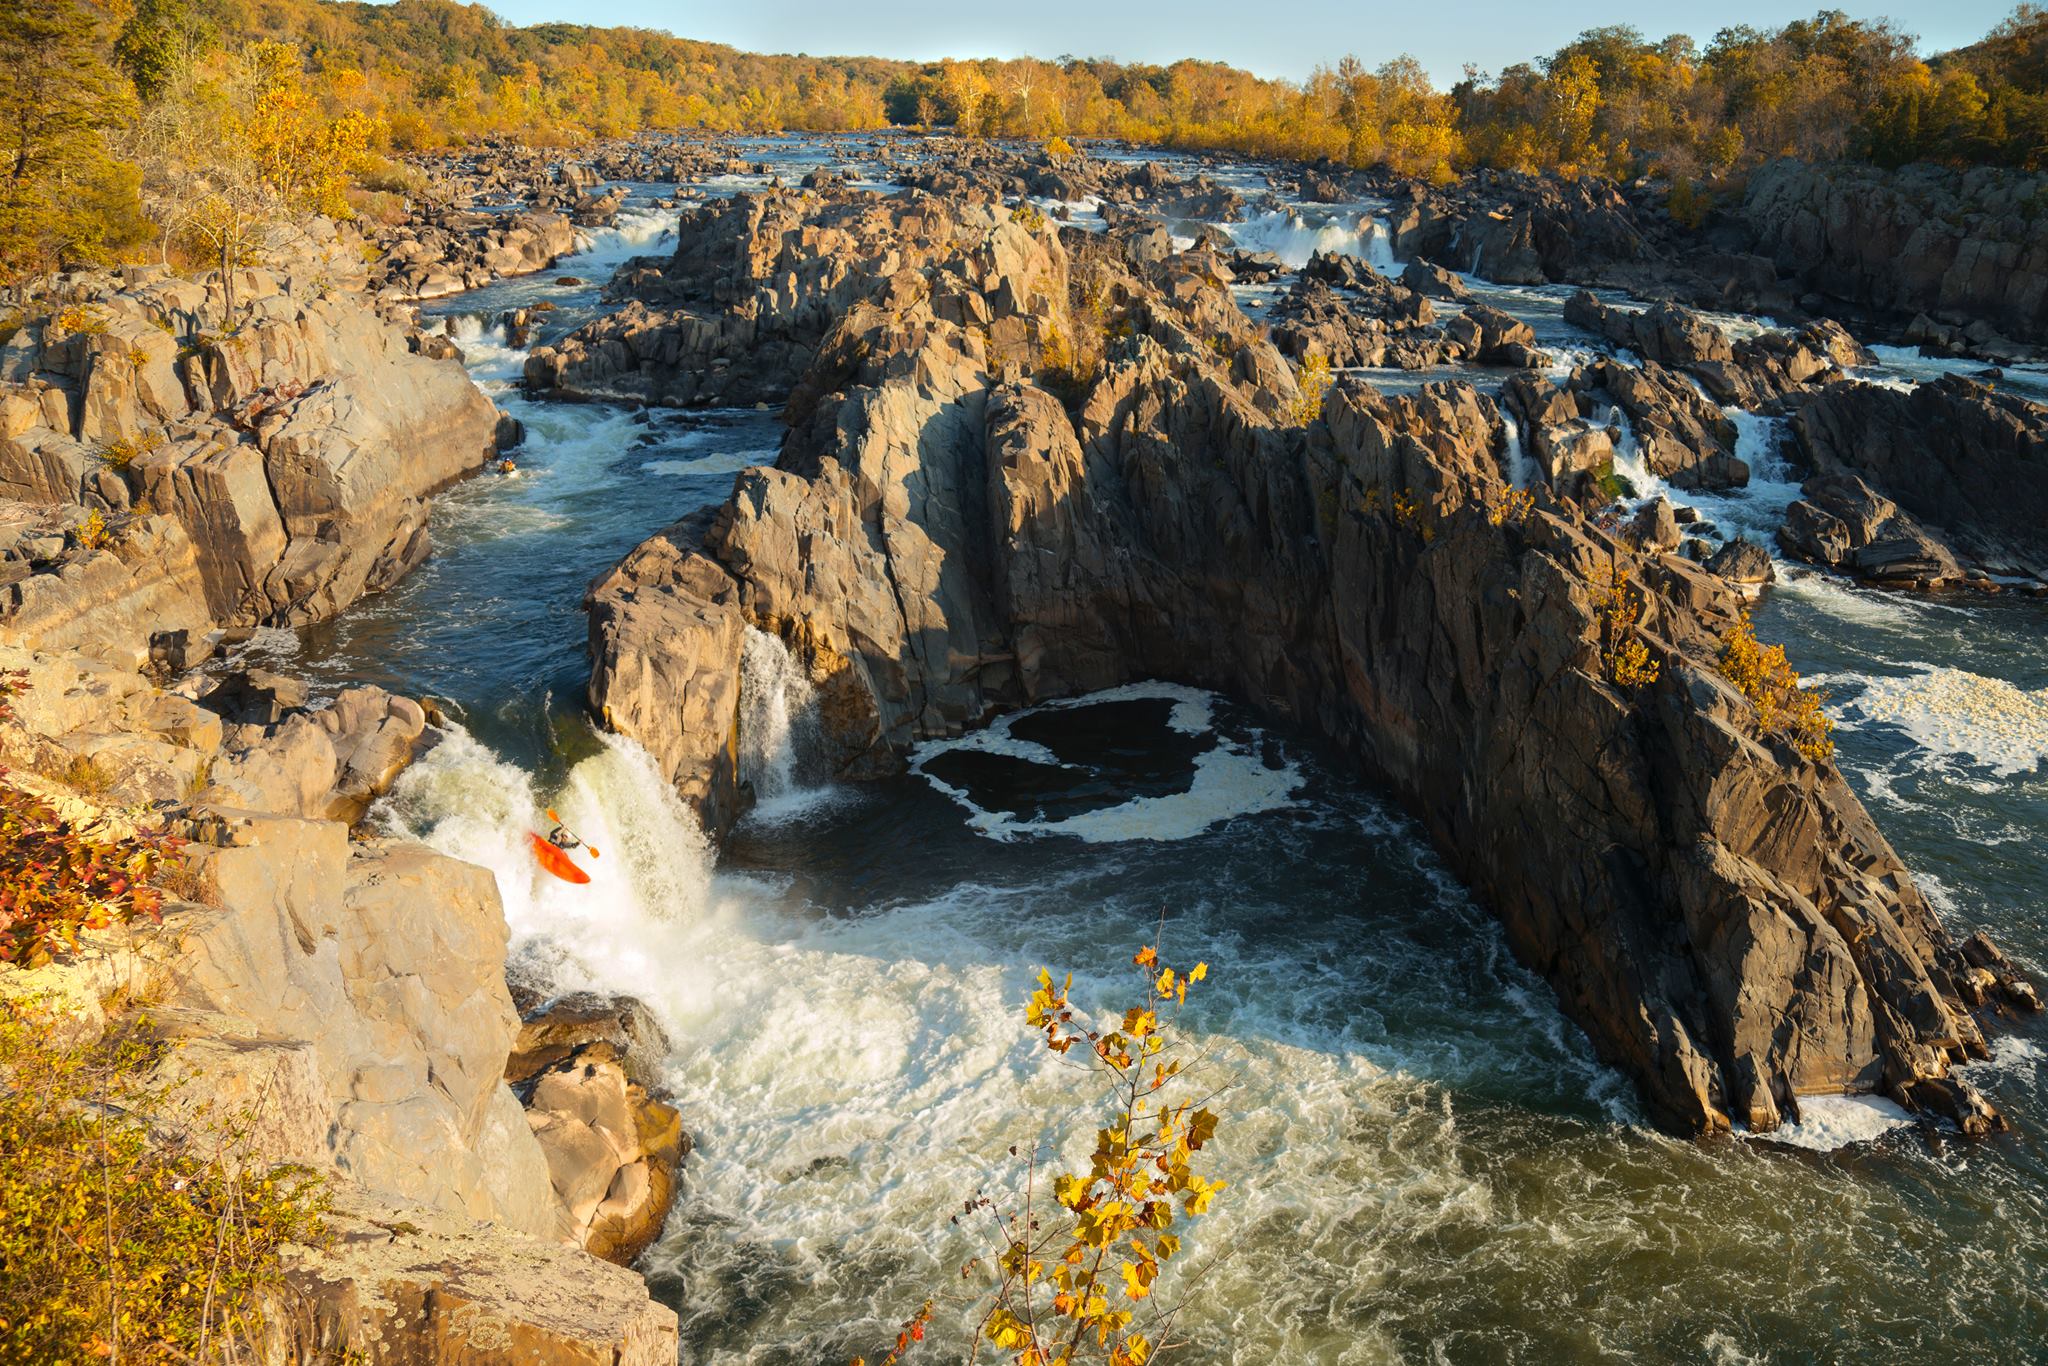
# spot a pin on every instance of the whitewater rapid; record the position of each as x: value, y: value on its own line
x: 1426, y: 1161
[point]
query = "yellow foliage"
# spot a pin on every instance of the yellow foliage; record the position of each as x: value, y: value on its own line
x: 118, y: 1243
x: 1313, y: 381
x: 1623, y: 656
x: 119, y: 454
x: 1070, y: 1266
x: 93, y: 533
x: 1770, y: 684
x: 80, y: 320
x: 1514, y: 505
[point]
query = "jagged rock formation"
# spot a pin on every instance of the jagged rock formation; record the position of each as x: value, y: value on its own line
x: 1966, y: 251
x: 296, y: 452
x: 1846, y: 525
x: 132, y: 600
x: 1377, y: 322
x: 943, y: 537
x: 1748, y: 373
x: 445, y: 251
x: 1955, y: 454
x: 401, y: 1285
x: 756, y: 281
x: 584, y: 1066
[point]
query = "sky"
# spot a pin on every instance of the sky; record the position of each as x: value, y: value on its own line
x: 1284, y: 40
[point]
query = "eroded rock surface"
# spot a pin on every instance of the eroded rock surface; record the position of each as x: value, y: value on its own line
x: 948, y: 533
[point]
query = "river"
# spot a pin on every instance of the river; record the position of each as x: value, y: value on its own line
x: 1426, y: 1162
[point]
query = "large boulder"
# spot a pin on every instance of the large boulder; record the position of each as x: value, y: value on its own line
x: 1954, y: 454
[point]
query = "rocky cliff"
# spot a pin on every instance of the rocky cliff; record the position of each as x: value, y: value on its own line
x: 340, y: 1001
x: 1956, y: 454
x: 295, y: 449
x: 1964, y: 254
x: 946, y: 535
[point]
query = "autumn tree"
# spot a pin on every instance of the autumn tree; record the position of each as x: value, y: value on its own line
x: 274, y: 156
x: 62, y: 197
x: 1079, y: 1260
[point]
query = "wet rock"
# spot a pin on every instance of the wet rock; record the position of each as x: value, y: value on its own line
x: 1843, y: 523
x: 1955, y: 456
x: 584, y: 1064
x: 1747, y: 373
x: 1745, y: 564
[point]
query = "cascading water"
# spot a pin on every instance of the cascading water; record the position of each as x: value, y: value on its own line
x: 1425, y: 1160
x: 1521, y: 467
x: 1379, y: 247
x: 779, y: 729
x: 1295, y: 236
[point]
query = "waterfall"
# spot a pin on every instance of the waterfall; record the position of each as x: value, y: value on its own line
x: 1521, y: 468
x: 779, y: 728
x: 1379, y: 247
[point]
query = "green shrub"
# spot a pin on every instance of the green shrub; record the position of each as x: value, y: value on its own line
x: 118, y: 1243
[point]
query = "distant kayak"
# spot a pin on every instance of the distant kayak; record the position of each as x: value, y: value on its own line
x: 557, y: 862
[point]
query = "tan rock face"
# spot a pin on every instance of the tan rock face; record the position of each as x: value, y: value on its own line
x: 401, y: 1285
x: 386, y: 961
x: 613, y: 1148
x: 295, y: 453
x: 665, y: 641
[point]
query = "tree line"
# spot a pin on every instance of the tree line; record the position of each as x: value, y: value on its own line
x: 174, y: 124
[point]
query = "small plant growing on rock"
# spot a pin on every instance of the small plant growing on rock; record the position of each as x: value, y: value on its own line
x: 1514, y: 505
x: 120, y: 1243
x: 1623, y: 657
x: 1029, y: 215
x: 1313, y: 381
x: 80, y: 321
x: 1079, y: 1260
x: 93, y: 533
x: 119, y: 454
x: 1767, y: 680
x: 1058, y: 149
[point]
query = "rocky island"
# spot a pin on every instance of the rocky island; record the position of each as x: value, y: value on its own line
x: 479, y: 648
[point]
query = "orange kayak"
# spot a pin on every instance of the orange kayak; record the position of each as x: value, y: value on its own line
x: 557, y: 862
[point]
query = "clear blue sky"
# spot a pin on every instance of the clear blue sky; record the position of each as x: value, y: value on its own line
x: 1283, y: 39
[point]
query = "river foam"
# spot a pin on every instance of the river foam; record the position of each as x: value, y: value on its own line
x: 1230, y: 777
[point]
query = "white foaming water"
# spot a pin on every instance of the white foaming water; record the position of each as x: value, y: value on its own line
x: 1379, y: 247
x: 1757, y: 510
x: 487, y: 354
x: 1830, y: 1122
x: 1293, y: 238
x: 632, y: 233
x: 849, y: 1080
x: 1230, y: 778
x: 1522, y: 471
x: 1954, y: 714
x: 652, y: 867
x: 779, y: 725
